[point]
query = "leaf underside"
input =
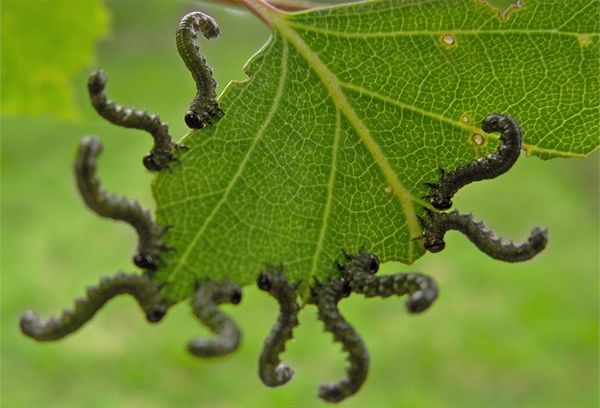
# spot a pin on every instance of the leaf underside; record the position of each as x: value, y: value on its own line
x: 349, y: 110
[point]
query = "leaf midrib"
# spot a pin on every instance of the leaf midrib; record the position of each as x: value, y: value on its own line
x: 333, y: 86
x: 495, y: 31
x: 285, y: 25
x: 330, y: 185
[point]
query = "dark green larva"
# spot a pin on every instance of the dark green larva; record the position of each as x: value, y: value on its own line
x: 205, y: 305
x: 326, y: 297
x: 146, y: 293
x: 360, y: 271
x: 271, y: 370
x: 162, y: 153
x: 150, y: 245
x: 204, y: 109
x: 484, y: 238
x: 488, y: 167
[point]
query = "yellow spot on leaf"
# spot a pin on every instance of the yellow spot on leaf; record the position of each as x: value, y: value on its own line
x: 478, y: 139
x: 448, y: 39
x: 584, y: 40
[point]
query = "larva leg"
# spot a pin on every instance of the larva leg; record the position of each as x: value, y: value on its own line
x: 205, y: 305
x: 488, y: 167
x: 162, y: 153
x: 272, y: 371
x: 360, y: 271
x: 326, y: 298
x: 107, y: 205
x: 146, y: 293
x: 204, y: 109
x: 482, y: 237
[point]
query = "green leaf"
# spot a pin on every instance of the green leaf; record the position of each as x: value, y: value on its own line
x: 44, y: 45
x: 349, y: 110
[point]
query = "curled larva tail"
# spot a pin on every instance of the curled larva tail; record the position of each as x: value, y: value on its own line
x: 205, y: 305
x: 141, y: 288
x: 326, y: 298
x: 150, y: 245
x: 488, y: 167
x: 482, y: 237
x: 272, y: 371
x: 162, y: 153
x: 204, y: 109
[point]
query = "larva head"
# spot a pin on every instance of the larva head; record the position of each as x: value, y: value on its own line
x: 235, y: 295
x: 441, y: 202
x: 373, y: 264
x: 264, y: 282
x: 492, y: 123
x: 192, y: 119
x: 151, y: 164
x: 434, y: 244
x: 365, y: 262
x: 346, y: 289
x: 146, y: 261
x: 227, y: 293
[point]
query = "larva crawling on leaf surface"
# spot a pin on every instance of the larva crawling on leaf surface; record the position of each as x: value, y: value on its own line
x: 150, y: 244
x: 488, y: 167
x: 358, y: 276
x: 204, y: 109
x: 205, y: 305
x: 146, y: 293
x: 360, y: 272
x: 162, y: 153
x: 484, y: 238
x: 326, y: 297
x: 272, y: 371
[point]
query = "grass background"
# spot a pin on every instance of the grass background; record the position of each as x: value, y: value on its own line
x: 499, y: 335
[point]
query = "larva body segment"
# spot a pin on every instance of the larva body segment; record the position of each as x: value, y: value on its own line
x: 326, y: 297
x: 106, y: 205
x: 488, y: 167
x: 484, y: 238
x: 205, y: 305
x: 272, y: 371
x: 360, y: 272
x: 162, y: 153
x: 146, y: 293
x: 204, y: 109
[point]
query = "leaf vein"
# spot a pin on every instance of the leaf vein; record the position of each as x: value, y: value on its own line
x: 330, y: 184
x: 332, y: 84
x: 241, y: 168
x: 439, y: 33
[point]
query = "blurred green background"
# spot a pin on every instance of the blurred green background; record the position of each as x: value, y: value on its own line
x: 499, y: 334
